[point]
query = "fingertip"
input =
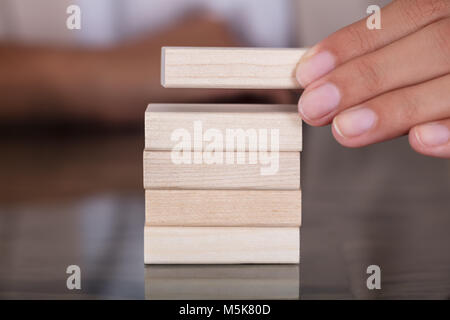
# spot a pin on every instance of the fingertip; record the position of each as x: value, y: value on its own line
x: 316, y: 122
x: 302, y: 114
x: 413, y: 139
x: 431, y: 139
x: 299, y: 76
x: 313, y: 65
x: 319, y: 102
x: 416, y: 144
x: 343, y: 140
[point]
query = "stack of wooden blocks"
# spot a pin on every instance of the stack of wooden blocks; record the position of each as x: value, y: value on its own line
x: 223, y: 181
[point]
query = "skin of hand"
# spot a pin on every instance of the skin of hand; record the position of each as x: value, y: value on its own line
x: 110, y: 85
x: 376, y: 85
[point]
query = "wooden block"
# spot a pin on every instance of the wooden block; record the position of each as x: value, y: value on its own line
x: 220, y: 245
x: 226, y: 208
x: 160, y: 171
x: 206, y: 282
x: 262, y: 68
x: 248, y: 122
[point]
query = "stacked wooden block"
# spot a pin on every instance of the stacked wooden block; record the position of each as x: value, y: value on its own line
x: 223, y: 181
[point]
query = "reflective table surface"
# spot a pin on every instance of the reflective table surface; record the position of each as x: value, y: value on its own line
x: 79, y: 201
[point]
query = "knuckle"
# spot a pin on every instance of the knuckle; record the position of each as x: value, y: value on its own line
x: 412, y: 108
x: 371, y: 73
x: 441, y: 37
x: 357, y: 40
x: 420, y: 11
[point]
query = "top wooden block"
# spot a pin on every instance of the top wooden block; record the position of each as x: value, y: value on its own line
x: 245, y: 68
x: 249, y: 127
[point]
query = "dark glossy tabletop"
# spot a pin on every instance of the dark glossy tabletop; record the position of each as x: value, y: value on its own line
x: 79, y: 201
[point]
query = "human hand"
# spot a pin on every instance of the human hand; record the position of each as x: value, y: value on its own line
x: 376, y: 85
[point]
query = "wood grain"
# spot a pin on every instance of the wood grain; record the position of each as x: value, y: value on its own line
x: 161, y: 173
x: 226, y: 208
x: 220, y: 245
x: 263, y: 68
x: 161, y: 121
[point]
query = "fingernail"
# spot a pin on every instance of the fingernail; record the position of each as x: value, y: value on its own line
x: 313, y: 66
x: 354, y: 122
x: 432, y: 134
x: 319, y: 102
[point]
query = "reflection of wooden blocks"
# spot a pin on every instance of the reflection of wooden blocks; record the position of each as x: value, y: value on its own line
x: 226, y: 208
x: 223, y: 181
x: 220, y: 245
x: 274, y: 281
x: 229, y: 68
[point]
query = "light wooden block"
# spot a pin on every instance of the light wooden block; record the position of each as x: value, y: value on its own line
x: 248, y: 120
x: 212, y: 282
x: 161, y: 173
x: 226, y: 208
x: 220, y: 245
x: 262, y: 68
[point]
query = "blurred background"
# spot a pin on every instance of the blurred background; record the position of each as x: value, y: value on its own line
x: 71, y: 140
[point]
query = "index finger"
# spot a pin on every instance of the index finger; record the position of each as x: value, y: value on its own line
x: 398, y: 19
